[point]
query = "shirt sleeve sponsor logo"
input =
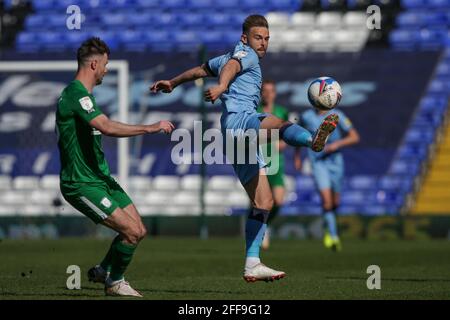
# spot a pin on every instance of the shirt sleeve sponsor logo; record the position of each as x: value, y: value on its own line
x: 87, y: 104
x: 347, y: 122
x: 240, y: 54
x: 106, y: 202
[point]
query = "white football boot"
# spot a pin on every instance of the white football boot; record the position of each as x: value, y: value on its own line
x: 120, y: 288
x: 260, y: 272
x: 97, y: 274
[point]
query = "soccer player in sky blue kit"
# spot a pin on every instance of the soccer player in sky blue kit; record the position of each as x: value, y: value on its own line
x: 328, y: 167
x: 239, y: 89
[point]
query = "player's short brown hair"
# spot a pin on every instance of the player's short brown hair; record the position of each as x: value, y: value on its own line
x: 90, y: 47
x: 254, y: 20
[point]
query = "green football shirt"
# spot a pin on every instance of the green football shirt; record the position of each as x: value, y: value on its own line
x: 80, y: 145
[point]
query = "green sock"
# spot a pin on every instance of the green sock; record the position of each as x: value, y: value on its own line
x: 121, y: 258
x: 273, y: 213
x: 107, y: 260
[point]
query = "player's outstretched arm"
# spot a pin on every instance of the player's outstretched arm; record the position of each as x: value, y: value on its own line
x: 351, y: 138
x: 229, y: 71
x: 167, y: 86
x: 119, y: 129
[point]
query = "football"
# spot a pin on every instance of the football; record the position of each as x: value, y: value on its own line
x: 324, y: 93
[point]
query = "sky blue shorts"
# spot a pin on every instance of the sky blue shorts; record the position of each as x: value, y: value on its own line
x: 234, y: 126
x: 329, y: 173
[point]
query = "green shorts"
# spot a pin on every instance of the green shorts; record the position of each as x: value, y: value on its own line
x: 96, y: 200
x: 276, y: 180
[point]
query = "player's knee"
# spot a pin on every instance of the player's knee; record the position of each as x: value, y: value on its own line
x: 133, y: 235
x: 266, y: 204
x: 327, y: 205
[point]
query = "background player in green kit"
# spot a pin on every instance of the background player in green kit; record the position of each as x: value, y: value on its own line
x: 85, y: 179
x: 276, y: 181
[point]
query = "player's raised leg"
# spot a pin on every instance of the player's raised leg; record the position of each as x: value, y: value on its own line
x: 297, y: 136
x: 258, y: 189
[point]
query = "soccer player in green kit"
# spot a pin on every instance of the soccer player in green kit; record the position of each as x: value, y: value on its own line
x: 85, y: 178
x: 276, y: 180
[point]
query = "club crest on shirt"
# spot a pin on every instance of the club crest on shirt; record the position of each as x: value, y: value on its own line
x: 106, y: 202
x: 240, y: 54
x: 87, y: 104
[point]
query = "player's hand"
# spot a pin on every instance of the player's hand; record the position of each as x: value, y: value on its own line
x: 332, y: 147
x: 165, y: 126
x: 165, y: 86
x: 213, y: 93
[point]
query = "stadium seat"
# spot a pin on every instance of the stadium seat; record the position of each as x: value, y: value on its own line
x: 329, y: 20
x: 214, y: 198
x: 363, y: 182
x: 238, y: 199
x: 201, y: 4
x: 350, y: 40
x: 190, y: 182
x: 140, y: 183
x: 222, y: 183
x: 432, y: 38
x: 131, y: 40
x: 413, y: 4
x: 284, y: 5
x: 5, y: 182
x: 43, y: 197
x: 25, y: 183
x: 166, y: 183
x: 34, y: 210
x: 354, y: 19
x: 321, y: 41
x: 354, y: 197
x: 10, y: 197
x: 410, y: 19
x: 186, y: 198
x: 403, y: 39
x: 438, y: 4
x: 278, y: 20
x: 303, y: 20
x: 159, y: 197
x: 44, y: 5
x: 27, y: 42
x: 305, y: 183
x: 49, y: 182
x: 6, y: 211
x: 293, y: 40
x: 395, y: 183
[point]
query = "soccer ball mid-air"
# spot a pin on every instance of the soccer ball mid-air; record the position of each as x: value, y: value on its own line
x: 324, y: 93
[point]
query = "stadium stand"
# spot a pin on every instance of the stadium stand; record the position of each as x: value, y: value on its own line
x: 296, y: 26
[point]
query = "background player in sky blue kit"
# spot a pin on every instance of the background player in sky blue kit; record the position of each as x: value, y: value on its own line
x: 239, y: 89
x: 328, y: 167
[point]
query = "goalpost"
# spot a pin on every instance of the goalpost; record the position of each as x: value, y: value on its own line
x: 122, y: 69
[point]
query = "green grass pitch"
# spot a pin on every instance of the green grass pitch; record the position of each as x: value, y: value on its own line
x: 189, y: 268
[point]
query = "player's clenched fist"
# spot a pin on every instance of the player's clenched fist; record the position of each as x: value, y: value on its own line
x: 162, y: 85
x: 165, y: 126
x: 213, y: 93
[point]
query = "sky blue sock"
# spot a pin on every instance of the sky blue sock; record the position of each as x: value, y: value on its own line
x: 330, y: 220
x: 296, y: 136
x: 255, y: 229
